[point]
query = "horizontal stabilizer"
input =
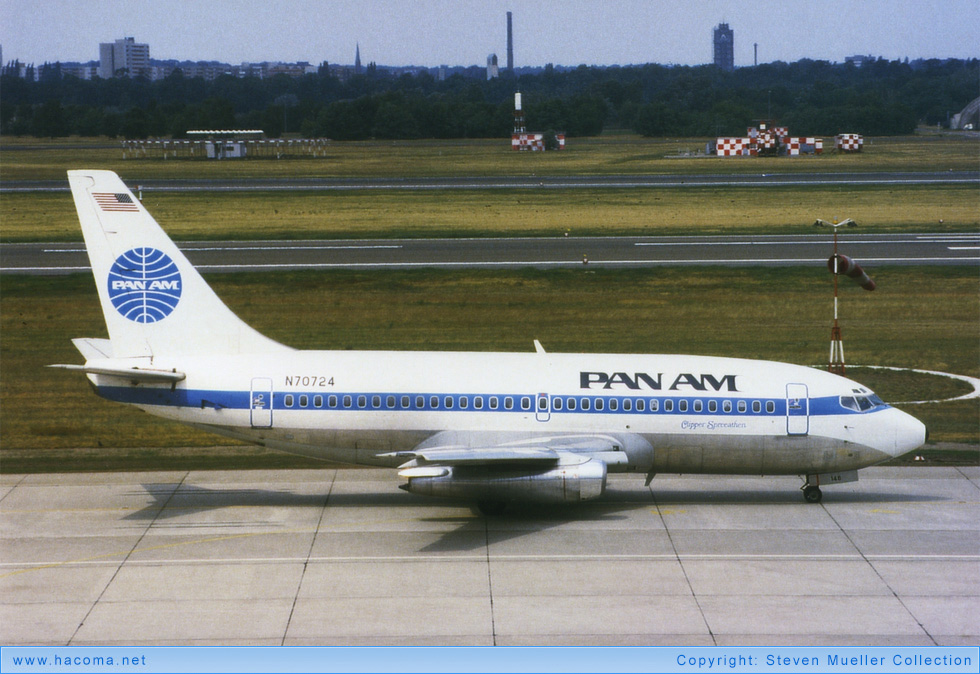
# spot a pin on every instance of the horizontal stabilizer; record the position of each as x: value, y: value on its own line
x: 138, y: 374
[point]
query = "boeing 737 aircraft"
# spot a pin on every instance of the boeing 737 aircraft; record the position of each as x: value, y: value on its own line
x: 491, y: 427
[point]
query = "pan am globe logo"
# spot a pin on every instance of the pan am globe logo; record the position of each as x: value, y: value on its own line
x: 144, y: 285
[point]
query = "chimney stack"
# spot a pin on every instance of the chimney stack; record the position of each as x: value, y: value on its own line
x: 510, y: 43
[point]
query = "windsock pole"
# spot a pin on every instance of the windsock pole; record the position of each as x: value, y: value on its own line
x: 836, y: 362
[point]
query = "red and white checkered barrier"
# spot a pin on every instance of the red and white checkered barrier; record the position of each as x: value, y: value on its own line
x: 849, y: 142
x: 798, y: 146
x: 533, y: 141
x: 735, y: 147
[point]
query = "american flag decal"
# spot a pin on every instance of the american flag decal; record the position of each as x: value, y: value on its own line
x: 115, y: 202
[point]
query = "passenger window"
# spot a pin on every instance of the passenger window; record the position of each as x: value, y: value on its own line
x: 390, y: 402
x: 288, y: 400
x: 434, y: 402
x: 332, y: 401
x: 448, y: 402
x: 712, y: 406
x: 698, y: 405
x: 376, y: 402
x: 627, y: 405
x: 586, y: 404
x: 419, y: 402
x: 478, y: 402
x: 682, y: 405
x: 641, y: 406
x: 406, y: 402
x: 668, y: 406
x: 304, y: 401
x: 556, y: 404
x: 613, y: 405
x: 571, y: 404
x: 756, y: 406
x: 347, y: 401
x: 654, y: 405
x: 525, y: 403
x: 361, y: 402
x: 508, y: 403
x: 542, y: 403
x: 317, y: 401
x: 493, y: 402
x: 726, y: 406
x: 599, y: 405
x: 464, y: 402
x: 770, y: 406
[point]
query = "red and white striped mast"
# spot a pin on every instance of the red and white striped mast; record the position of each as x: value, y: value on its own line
x: 841, y: 264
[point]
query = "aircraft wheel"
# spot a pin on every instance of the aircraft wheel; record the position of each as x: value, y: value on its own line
x: 812, y: 494
x: 491, y: 508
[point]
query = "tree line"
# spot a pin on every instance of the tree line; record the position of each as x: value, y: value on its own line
x: 810, y: 97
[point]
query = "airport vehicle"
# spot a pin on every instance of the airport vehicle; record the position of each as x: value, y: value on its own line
x: 491, y: 427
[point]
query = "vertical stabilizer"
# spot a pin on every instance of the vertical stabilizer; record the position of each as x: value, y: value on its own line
x: 155, y: 303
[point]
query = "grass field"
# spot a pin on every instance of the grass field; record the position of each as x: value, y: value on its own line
x: 48, y: 159
x: 451, y: 213
x: 919, y: 317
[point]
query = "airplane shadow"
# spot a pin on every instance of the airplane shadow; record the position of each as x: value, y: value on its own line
x: 475, y: 531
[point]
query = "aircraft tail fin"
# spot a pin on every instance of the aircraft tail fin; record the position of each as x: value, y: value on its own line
x: 154, y: 301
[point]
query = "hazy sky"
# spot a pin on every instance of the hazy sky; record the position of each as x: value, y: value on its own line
x: 464, y: 32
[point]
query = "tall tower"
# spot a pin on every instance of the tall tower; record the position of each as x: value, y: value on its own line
x: 724, y: 43
x: 357, y: 57
x: 510, y: 43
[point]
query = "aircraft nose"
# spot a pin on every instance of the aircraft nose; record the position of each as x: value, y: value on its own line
x: 910, y: 433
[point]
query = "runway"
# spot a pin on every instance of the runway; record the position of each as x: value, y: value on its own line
x: 742, y: 250
x: 342, y: 557
x: 525, y: 182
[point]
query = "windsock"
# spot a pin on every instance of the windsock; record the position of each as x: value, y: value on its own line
x: 849, y: 267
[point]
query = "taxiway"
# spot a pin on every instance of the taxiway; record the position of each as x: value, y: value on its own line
x: 342, y: 557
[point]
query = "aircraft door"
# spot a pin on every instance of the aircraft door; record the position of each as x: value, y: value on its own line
x: 260, y: 402
x: 542, y: 410
x: 797, y: 409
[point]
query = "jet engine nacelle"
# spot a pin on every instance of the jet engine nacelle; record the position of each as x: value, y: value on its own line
x: 561, y: 484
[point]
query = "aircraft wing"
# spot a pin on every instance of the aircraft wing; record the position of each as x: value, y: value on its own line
x: 476, y: 456
x: 455, y: 448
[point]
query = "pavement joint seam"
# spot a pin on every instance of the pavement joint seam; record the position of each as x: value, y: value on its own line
x: 123, y: 561
x: 309, y: 556
x: 880, y: 577
x: 680, y: 562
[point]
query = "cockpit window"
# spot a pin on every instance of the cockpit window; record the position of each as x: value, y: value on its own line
x: 860, y: 403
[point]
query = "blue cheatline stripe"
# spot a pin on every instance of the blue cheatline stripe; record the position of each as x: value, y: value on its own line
x: 380, y: 401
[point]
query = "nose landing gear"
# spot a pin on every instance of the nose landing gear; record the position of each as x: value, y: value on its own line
x: 811, y: 493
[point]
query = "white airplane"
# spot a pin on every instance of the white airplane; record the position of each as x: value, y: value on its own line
x: 491, y: 427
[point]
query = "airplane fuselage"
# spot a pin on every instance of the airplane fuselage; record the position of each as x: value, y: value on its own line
x: 663, y: 413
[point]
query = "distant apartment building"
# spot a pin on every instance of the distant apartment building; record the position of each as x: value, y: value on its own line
x: 124, y: 58
x: 724, y: 47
